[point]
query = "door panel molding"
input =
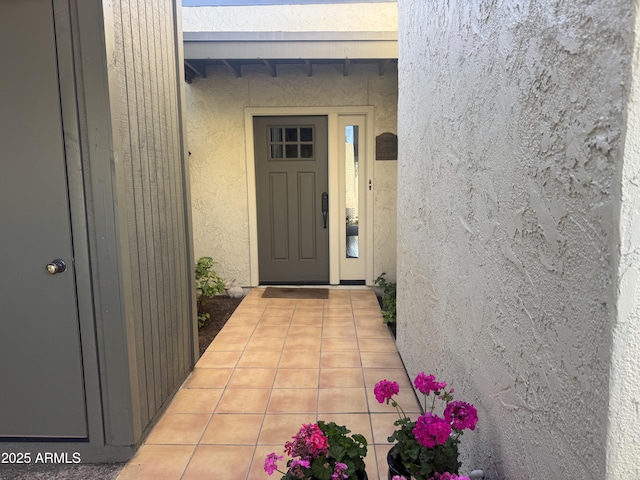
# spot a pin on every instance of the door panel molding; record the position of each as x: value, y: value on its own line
x: 334, y: 144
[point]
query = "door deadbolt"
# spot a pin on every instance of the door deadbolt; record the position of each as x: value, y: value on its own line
x: 56, y: 266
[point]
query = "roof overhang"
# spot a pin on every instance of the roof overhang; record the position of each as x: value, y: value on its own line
x: 235, y: 49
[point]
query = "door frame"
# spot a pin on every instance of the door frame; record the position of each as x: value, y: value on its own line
x: 333, y: 115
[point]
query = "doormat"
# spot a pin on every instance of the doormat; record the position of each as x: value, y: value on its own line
x: 297, y: 293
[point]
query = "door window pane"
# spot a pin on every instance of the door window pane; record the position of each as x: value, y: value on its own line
x: 275, y: 134
x: 306, y: 150
x: 351, y: 193
x: 291, y: 134
x: 276, y: 151
x: 291, y: 143
x: 291, y: 151
x: 306, y: 134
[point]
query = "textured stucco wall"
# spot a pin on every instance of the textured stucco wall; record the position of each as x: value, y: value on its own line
x: 215, y: 131
x: 292, y: 18
x: 623, y: 442
x: 511, y: 127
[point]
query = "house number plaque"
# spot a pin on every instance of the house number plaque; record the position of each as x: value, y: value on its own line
x: 387, y: 146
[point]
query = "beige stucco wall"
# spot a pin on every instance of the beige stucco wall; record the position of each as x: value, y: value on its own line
x: 350, y: 17
x: 216, y: 136
x: 511, y: 130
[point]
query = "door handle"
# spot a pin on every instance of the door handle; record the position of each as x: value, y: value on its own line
x: 325, y: 208
x: 56, y: 266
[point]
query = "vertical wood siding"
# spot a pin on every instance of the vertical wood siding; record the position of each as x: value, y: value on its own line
x: 149, y: 130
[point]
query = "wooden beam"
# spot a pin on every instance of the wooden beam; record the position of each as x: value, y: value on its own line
x: 235, y: 67
x: 195, y: 70
x: 383, y: 66
x: 345, y: 72
x: 271, y: 66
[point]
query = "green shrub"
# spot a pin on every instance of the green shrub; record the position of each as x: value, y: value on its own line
x: 388, y: 299
x: 208, y: 284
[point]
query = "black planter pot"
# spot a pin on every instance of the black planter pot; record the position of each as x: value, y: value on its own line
x: 362, y: 475
x: 395, y: 467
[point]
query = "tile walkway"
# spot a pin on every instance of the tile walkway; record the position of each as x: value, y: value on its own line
x: 276, y: 364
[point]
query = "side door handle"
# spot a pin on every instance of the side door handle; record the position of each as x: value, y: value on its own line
x: 325, y: 208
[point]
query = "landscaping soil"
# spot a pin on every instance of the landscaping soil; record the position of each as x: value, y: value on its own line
x: 220, y: 308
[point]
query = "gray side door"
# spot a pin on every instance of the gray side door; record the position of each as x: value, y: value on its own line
x: 291, y: 177
x: 40, y: 358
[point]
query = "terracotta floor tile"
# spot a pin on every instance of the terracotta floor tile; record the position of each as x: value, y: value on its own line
x: 279, y: 428
x: 283, y: 302
x: 247, y: 320
x: 339, y: 331
x: 380, y: 360
x: 305, y: 331
x: 340, y: 359
x: 195, y: 400
x: 236, y: 331
x: 303, y: 320
x: 158, y: 462
x: 252, y: 378
x: 337, y: 344
x: 217, y: 359
x: 337, y: 313
x: 300, y: 358
x: 361, y: 290
x: 265, y: 343
x: 377, y: 345
x: 178, y: 429
x: 279, y: 321
x: 264, y: 376
x: 257, y: 358
x: 233, y: 429
x: 356, y: 422
x: 379, y: 331
x: 342, y: 400
x: 244, y: 400
x: 208, y: 378
x: 368, y: 303
x: 368, y: 321
x: 251, y: 301
x: 338, y: 322
x: 302, y: 342
x: 312, y: 312
x: 273, y: 331
x: 297, y: 378
x: 276, y: 311
x: 341, y: 378
x: 309, y: 303
x: 374, y: 375
x: 367, y: 312
x: 293, y: 400
x: 381, y: 452
x: 219, y: 462
x: 337, y: 294
x: 382, y: 425
x: 227, y: 343
x: 249, y: 310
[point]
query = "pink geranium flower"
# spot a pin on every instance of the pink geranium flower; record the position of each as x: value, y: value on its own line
x: 427, y: 384
x: 270, y: 463
x: 431, y: 430
x: 384, y: 390
x: 461, y: 415
x: 448, y: 476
